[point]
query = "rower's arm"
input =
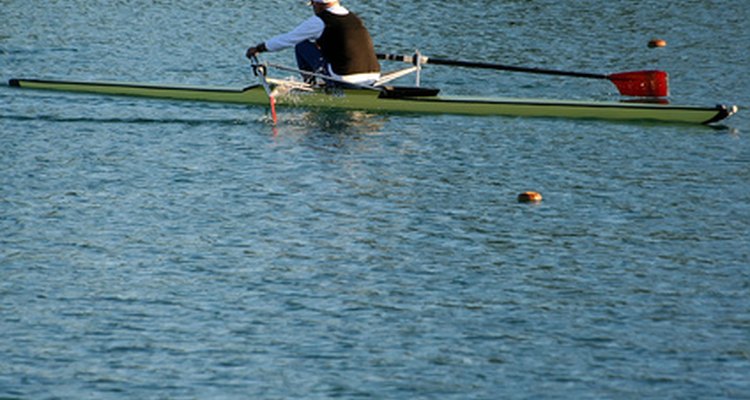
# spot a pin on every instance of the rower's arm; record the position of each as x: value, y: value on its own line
x: 309, y: 29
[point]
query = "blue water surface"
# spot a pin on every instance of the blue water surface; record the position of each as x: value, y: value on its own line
x: 158, y: 249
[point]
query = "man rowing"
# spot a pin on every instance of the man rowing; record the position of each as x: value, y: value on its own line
x: 333, y: 42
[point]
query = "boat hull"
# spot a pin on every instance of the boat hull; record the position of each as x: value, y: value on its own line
x: 377, y: 101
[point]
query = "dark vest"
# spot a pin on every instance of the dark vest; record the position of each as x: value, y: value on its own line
x: 346, y: 44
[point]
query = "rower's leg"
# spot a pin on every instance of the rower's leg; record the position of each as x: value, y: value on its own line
x: 309, y: 58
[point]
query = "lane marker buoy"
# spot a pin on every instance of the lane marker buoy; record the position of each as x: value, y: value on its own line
x: 653, y: 43
x: 529, y: 197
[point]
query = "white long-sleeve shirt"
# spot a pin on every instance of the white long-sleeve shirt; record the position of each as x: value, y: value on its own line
x: 311, y: 29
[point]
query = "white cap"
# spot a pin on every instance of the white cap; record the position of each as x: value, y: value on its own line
x: 322, y: 1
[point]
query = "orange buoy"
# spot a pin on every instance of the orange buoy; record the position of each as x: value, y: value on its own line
x: 653, y: 43
x: 529, y: 197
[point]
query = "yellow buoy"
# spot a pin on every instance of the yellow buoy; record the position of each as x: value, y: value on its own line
x: 653, y: 43
x: 529, y: 197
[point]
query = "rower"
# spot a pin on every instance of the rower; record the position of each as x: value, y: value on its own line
x: 333, y: 42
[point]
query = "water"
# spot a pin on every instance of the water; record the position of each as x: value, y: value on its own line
x: 155, y: 249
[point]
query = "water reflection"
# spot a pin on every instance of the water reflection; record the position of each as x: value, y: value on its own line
x: 298, y: 125
x: 342, y: 122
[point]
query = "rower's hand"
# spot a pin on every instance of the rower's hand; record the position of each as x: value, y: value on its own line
x: 252, y: 52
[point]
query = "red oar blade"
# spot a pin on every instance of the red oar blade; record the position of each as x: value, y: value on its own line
x: 641, y: 83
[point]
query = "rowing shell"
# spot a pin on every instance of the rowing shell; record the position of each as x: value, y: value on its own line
x: 400, y: 99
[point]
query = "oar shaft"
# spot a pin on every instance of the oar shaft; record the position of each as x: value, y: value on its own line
x: 484, y: 65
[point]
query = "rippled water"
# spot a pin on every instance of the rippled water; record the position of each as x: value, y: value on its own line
x: 156, y: 249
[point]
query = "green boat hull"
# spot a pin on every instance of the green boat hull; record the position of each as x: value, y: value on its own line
x: 392, y: 100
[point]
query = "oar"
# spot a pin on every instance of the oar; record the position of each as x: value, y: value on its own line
x: 650, y: 83
x: 260, y: 71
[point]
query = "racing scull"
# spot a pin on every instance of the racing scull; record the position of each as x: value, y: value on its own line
x: 396, y: 99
